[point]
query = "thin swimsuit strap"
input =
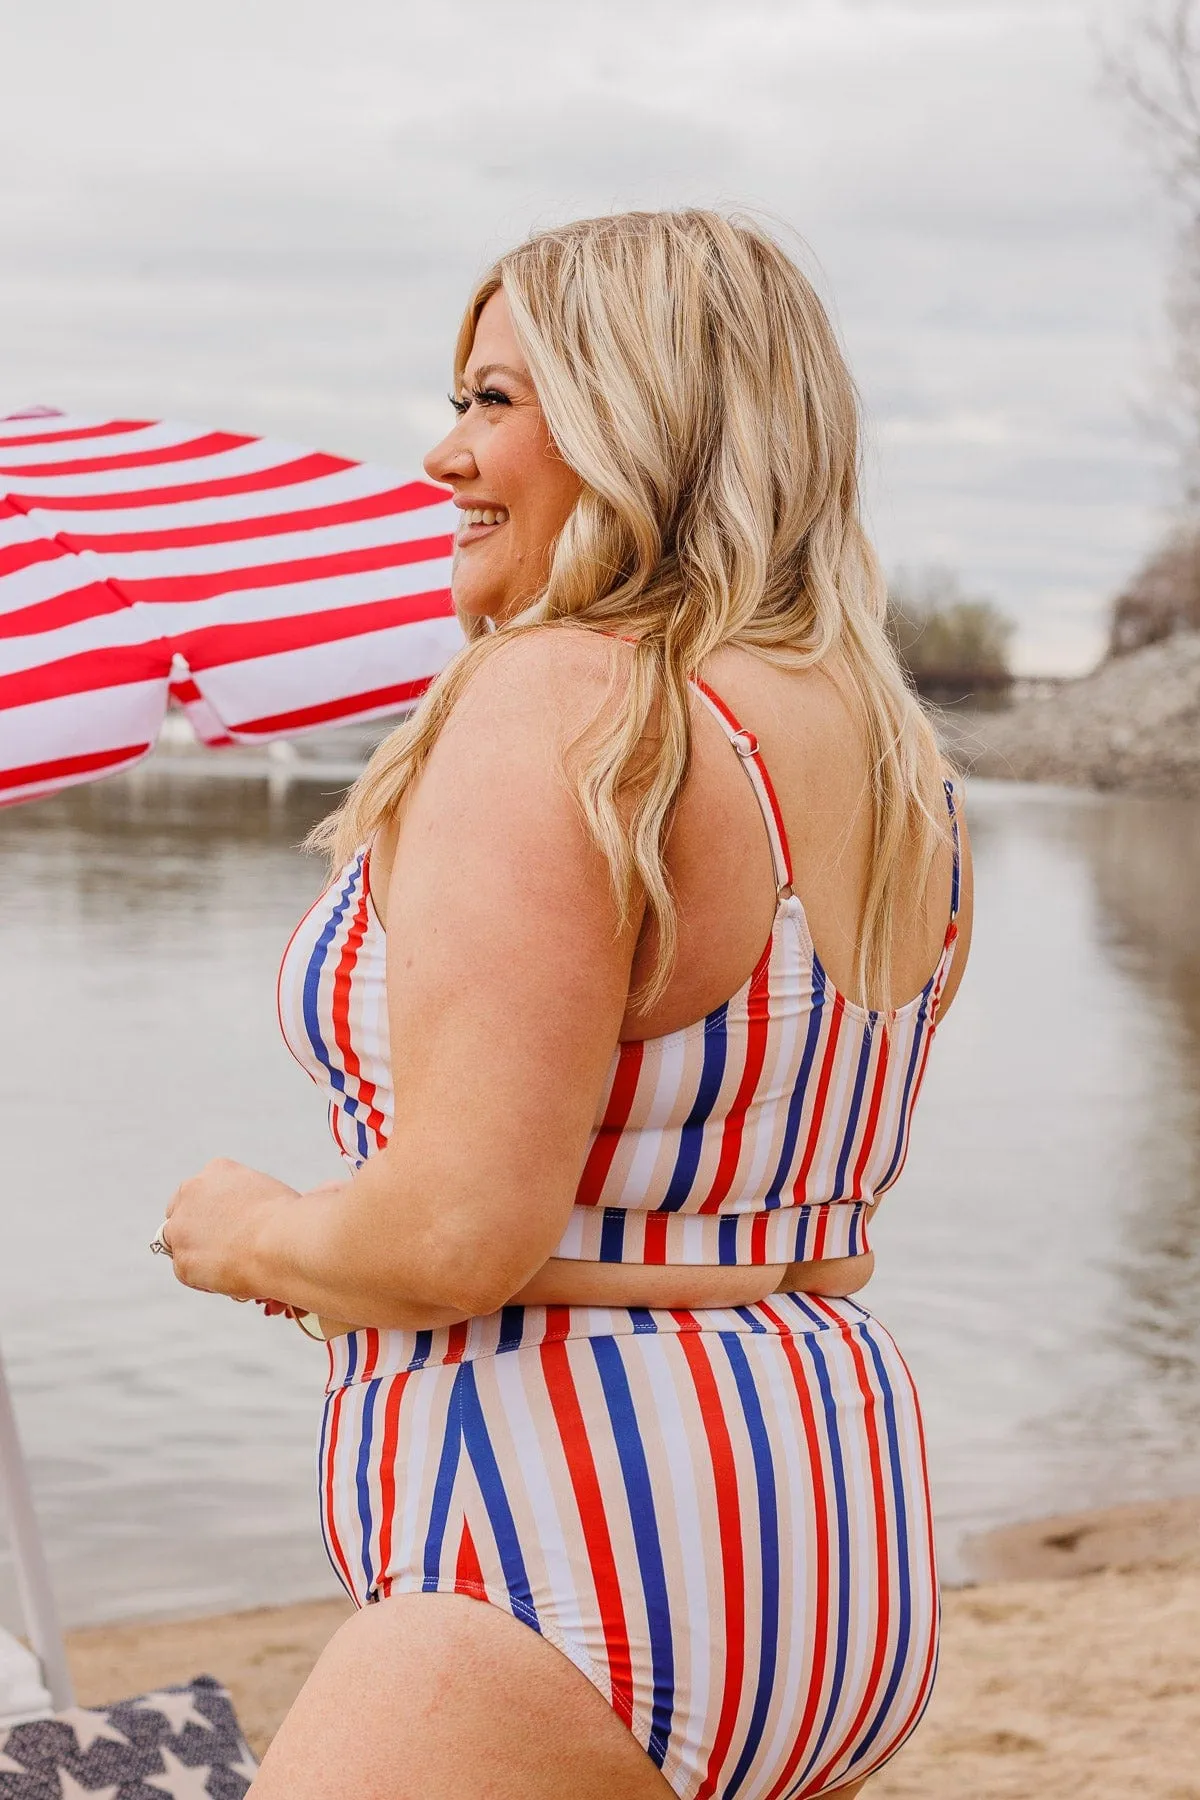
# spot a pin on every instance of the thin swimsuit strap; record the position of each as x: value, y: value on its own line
x: 746, y: 745
x: 956, y: 867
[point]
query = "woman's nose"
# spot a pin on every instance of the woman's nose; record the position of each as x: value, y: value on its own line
x: 450, y: 461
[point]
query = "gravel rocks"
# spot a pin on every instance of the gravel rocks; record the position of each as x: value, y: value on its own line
x: 1134, y: 724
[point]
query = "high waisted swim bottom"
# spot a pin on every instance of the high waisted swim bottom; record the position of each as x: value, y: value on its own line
x: 721, y: 1517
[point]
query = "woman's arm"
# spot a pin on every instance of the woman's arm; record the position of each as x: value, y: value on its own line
x: 834, y: 1277
x: 508, y: 976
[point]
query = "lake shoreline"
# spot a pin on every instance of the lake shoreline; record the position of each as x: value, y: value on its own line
x: 174, y: 1464
x: 1132, y: 726
x: 1092, y: 1671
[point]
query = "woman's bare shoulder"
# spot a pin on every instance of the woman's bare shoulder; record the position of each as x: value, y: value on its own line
x: 559, y: 675
x: 493, y: 789
x: 491, y: 793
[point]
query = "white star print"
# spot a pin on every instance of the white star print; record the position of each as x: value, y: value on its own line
x: 245, y: 1766
x: 9, y: 1767
x: 71, y: 1789
x: 181, y: 1782
x: 88, y: 1726
x: 178, y: 1708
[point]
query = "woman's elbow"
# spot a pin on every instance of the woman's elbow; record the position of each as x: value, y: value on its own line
x: 471, y: 1280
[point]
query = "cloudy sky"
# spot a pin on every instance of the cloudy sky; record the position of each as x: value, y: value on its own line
x: 265, y: 214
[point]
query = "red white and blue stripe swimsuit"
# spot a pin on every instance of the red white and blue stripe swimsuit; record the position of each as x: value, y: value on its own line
x: 722, y: 1516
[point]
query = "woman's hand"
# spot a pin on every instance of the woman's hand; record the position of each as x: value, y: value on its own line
x: 213, y: 1225
x: 230, y: 1230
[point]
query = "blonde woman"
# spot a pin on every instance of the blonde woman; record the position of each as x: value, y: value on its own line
x: 621, y: 996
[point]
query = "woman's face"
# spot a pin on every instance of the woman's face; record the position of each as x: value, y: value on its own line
x: 514, y: 490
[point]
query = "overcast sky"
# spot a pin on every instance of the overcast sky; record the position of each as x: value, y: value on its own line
x: 265, y: 214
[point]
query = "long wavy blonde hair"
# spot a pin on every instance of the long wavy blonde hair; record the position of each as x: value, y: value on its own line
x: 690, y: 376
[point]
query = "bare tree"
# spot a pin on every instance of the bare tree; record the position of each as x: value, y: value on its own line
x: 1162, y: 598
x: 1157, y: 70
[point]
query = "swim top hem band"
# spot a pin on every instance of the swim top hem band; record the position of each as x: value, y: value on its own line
x: 806, y: 1233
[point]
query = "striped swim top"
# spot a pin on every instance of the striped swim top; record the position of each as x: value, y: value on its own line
x: 763, y: 1133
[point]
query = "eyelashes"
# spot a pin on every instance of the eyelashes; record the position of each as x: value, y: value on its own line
x: 478, y: 397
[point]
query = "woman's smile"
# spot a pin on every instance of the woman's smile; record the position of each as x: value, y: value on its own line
x: 501, y: 444
x: 479, y: 520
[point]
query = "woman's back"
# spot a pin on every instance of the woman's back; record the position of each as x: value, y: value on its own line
x: 667, y: 1108
x: 720, y: 860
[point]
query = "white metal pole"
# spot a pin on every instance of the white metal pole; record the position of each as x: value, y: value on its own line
x: 33, y: 1573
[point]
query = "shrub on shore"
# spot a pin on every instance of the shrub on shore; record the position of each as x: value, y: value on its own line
x: 954, y: 645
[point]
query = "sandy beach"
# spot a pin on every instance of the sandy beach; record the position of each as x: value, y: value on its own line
x: 1073, y: 1668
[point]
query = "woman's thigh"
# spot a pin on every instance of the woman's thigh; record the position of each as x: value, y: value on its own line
x: 440, y: 1697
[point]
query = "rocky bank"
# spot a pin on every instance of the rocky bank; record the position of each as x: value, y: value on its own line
x: 1133, y: 724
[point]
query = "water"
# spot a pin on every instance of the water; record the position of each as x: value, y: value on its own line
x: 1040, y: 1261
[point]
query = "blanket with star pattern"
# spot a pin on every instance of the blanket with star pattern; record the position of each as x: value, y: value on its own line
x: 181, y: 1742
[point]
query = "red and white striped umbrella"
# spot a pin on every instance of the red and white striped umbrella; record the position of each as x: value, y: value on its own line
x: 270, y: 590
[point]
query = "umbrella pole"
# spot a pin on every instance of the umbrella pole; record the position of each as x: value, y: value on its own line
x: 33, y: 1573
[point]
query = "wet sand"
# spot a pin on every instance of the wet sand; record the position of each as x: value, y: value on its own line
x: 1073, y: 1669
